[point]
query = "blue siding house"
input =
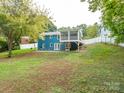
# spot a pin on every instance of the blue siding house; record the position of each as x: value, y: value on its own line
x: 58, y: 41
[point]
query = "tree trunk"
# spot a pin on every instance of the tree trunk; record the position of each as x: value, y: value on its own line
x: 10, y: 49
x: 10, y: 40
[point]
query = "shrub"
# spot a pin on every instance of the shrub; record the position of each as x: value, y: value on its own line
x: 3, y: 46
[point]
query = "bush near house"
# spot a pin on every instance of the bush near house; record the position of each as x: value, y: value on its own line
x: 16, y: 53
x: 3, y: 46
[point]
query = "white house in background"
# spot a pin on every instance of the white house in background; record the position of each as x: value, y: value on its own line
x: 104, y: 32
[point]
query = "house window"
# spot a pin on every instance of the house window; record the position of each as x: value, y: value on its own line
x: 51, y: 45
x: 64, y: 35
x: 73, y: 35
x: 43, y: 45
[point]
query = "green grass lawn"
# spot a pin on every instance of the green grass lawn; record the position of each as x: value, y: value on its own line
x: 16, y: 52
x: 97, y: 69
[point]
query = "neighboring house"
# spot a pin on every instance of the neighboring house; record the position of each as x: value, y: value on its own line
x: 25, y: 40
x: 25, y: 43
x: 58, y: 41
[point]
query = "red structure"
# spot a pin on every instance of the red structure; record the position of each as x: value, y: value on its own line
x: 25, y: 40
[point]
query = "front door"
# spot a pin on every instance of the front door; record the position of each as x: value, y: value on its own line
x: 56, y: 46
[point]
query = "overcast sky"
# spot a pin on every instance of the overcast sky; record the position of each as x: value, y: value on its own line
x: 69, y: 12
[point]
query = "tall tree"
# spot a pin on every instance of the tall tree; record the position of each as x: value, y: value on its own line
x: 112, y: 15
x: 51, y: 27
x: 18, y: 17
x: 76, y: 28
x: 92, y: 31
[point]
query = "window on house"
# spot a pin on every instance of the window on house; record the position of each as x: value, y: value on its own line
x: 64, y: 35
x: 73, y: 35
x: 43, y: 45
x: 51, y: 45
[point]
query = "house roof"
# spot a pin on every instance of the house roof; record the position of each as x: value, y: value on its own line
x: 52, y: 33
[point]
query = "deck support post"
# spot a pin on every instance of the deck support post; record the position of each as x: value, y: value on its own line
x: 69, y: 45
x: 78, y: 47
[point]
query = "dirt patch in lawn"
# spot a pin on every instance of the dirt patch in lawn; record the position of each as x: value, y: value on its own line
x: 43, y: 80
x: 55, y: 74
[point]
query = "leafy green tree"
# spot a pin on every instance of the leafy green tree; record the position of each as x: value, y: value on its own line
x: 88, y: 31
x: 78, y: 27
x: 65, y: 29
x: 112, y: 15
x: 18, y: 17
x: 92, y: 31
x: 3, y: 44
x: 51, y: 27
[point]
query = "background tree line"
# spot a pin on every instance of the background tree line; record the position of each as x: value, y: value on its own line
x: 89, y: 31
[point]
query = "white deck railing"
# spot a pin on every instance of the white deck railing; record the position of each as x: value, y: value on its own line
x: 28, y: 46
